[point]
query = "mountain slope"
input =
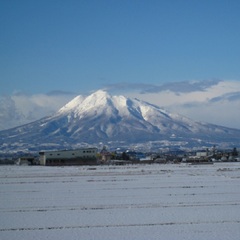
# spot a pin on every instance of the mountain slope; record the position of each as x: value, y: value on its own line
x: 101, y: 117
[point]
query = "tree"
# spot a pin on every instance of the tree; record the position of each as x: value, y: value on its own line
x: 235, y: 152
x: 125, y: 156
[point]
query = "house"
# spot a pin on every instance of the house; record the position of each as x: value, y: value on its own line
x: 82, y: 156
x: 203, y: 154
x: 26, y: 160
x: 105, y: 155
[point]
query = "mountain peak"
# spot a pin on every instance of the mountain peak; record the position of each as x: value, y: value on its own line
x: 100, y: 94
x: 98, y: 98
x: 80, y: 104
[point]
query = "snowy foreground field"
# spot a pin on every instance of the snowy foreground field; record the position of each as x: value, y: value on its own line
x: 120, y: 202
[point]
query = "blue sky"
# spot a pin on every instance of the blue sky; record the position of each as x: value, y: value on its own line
x: 80, y: 46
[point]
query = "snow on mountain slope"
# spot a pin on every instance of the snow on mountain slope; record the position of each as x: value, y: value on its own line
x: 73, y: 104
x: 101, y: 117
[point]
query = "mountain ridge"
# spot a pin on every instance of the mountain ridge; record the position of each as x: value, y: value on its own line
x: 116, y: 120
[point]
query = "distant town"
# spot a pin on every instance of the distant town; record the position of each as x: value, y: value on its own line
x: 95, y: 156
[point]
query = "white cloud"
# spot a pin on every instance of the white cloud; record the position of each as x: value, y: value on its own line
x: 20, y: 108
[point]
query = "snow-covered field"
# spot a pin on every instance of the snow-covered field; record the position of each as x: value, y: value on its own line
x: 120, y: 202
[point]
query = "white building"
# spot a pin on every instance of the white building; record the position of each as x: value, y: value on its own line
x: 83, y: 156
x: 201, y: 154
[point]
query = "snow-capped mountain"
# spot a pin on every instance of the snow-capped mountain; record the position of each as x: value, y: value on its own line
x: 101, y: 117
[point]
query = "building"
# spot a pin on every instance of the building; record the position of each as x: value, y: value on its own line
x: 83, y: 156
x: 105, y: 155
x: 26, y: 160
x: 203, y: 154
